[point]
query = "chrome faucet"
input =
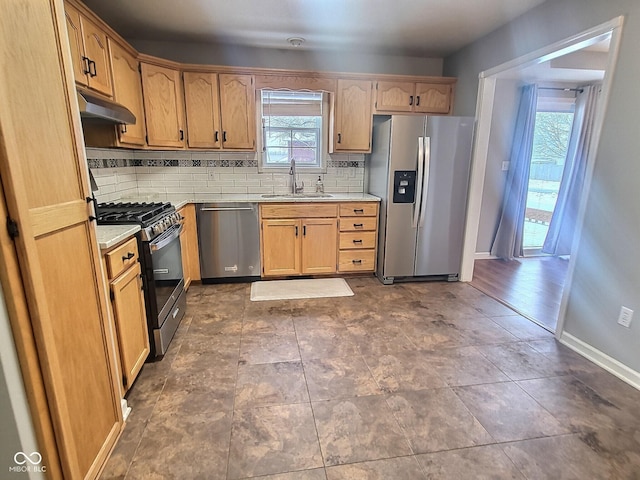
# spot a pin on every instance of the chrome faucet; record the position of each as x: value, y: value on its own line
x: 294, y: 180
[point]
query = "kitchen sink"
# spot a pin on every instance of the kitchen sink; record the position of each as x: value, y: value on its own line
x: 296, y: 195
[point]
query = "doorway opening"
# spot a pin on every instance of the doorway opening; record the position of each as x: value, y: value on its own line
x: 538, y: 279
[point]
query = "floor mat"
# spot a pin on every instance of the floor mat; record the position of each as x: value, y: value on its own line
x: 296, y: 289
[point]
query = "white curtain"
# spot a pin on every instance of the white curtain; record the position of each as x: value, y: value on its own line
x: 563, y: 222
x: 508, y: 241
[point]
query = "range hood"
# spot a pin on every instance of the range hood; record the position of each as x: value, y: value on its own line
x: 96, y: 108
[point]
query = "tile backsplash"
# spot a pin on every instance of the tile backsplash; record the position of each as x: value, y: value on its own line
x: 129, y: 173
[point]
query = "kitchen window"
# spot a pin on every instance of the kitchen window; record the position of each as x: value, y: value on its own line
x: 292, y: 126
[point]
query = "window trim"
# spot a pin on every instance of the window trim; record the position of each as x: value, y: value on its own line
x: 324, y: 136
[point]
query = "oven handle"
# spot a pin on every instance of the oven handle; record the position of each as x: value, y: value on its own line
x: 166, y: 238
x: 227, y: 209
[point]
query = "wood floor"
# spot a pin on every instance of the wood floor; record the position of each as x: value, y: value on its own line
x: 532, y: 286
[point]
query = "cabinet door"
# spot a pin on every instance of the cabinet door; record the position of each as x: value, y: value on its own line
x: 56, y: 252
x: 189, y: 245
x: 96, y: 50
x: 395, y: 96
x: 319, y: 245
x: 202, y: 109
x: 352, y: 121
x: 74, y: 32
x: 127, y: 90
x: 237, y: 112
x: 131, y: 323
x: 163, y: 106
x: 433, y: 98
x: 281, y: 247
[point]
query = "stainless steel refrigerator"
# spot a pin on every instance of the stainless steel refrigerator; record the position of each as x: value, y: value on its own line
x: 419, y: 167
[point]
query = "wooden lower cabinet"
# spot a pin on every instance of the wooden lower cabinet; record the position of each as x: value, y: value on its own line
x: 127, y: 304
x: 304, y: 239
x: 189, y: 245
x: 358, y: 237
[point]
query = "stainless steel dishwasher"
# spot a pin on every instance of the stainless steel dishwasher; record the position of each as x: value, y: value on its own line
x: 229, y: 240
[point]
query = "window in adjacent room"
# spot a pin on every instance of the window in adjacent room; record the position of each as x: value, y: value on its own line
x: 293, y: 125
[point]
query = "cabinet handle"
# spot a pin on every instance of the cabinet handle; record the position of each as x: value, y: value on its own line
x: 304, y: 230
x: 85, y: 65
x: 339, y: 138
x: 358, y: 225
x: 356, y: 210
x: 224, y: 136
x: 123, y: 128
x: 296, y: 230
x: 356, y: 261
x: 418, y: 100
x: 410, y: 99
x: 181, y: 134
x: 217, y: 137
x: 92, y: 71
x: 357, y: 241
x: 129, y: 256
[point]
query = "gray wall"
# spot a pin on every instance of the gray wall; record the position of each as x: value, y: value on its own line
x: 606, y: 269
x: 16, y: 429
x: 505, y: 109
x: 331, y: 61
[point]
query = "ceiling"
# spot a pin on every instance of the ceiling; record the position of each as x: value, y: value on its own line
x: 408, y: 27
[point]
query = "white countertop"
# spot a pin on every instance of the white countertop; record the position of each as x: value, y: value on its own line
x: 179, y: 200
x: 110, y: 235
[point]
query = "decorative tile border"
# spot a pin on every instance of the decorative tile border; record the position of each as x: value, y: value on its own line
x: 137, y: 162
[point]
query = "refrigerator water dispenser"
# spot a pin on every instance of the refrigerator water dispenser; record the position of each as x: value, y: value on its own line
x: 404, y: 186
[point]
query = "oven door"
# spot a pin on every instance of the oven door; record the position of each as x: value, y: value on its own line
x: 166, y: 259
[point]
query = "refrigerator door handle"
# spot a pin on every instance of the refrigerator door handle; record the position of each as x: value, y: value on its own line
x: 425, y: 181
x: 418, y: 202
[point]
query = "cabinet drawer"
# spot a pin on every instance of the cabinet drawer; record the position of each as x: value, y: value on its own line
x: 120, y: 258
x: 368, y: 209
x: 356, y: 260
x: 354, y: 240
x: 292, y: 210
x: 356, y: 224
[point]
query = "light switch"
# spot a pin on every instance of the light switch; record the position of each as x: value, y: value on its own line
x: 505, y: 166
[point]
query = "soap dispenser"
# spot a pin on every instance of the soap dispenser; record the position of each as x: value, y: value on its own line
x: 319, y: 185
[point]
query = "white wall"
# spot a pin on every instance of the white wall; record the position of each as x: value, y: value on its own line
x: 607, y: 273
x: 505, y: 109
x: 330, y: 61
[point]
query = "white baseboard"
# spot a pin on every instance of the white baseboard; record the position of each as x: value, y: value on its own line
x: 126, y: 409
x: 603, y: 360
x: 484, y: 256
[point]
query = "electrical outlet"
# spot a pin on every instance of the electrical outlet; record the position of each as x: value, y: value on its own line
x: 626, y: 314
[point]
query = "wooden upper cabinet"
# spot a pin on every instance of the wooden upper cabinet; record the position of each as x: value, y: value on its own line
x: 409, y: 97
x: 163, y: 106
x: 89, y: 52
x: 203, y: 110
x: 433, y: 98
x: 395, y: 96
x: 352, y: 116
x: 127, y: 90
x: 237, y: 111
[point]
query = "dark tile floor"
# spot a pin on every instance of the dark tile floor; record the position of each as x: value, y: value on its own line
x: 411, y: 381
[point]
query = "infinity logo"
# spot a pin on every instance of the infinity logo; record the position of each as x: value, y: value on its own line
x: 27, y: 458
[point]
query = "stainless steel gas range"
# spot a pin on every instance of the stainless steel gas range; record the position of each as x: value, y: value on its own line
x: 161, y: 261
